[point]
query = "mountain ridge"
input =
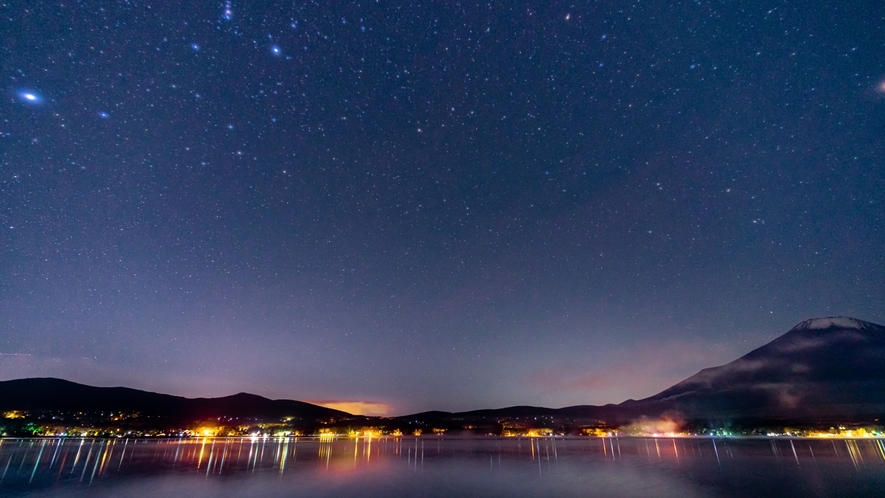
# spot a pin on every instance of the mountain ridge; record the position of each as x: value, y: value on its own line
x: 48, y: 393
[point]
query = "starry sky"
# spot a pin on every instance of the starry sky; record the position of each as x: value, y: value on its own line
x: 452, y: 205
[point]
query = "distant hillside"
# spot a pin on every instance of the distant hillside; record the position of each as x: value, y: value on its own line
x: 58, y: 394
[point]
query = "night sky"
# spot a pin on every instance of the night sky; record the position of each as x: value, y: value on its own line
x: 449, y: 206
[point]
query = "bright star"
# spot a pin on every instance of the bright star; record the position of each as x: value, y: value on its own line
x: 30, y: 97
x: 104, y: 115
x: 275, y: 49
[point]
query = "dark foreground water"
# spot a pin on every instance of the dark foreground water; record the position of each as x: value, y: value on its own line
x: 438, y: 466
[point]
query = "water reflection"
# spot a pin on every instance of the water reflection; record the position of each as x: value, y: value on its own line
x: 478, y: 465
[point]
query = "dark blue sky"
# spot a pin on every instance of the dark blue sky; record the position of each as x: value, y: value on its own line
x: 447, y: 206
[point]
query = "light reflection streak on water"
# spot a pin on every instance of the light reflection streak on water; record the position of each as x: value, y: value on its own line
x: 54, y: 453
x: 27, y: 450
x: 104, y: 447
x: 537, y: 443
x: 718, y: 461
x: 223, y: 455
x: 283, y: 456
x: 211, y: 454
x: 356, y: 447
x: 202, y: 449
x: 854, y: 453
x: 123, y: 453
x: 263, y: 448
x: 86, y: 462
x: 6, y: 469
x: 37, y: 461
x: 251, y: 450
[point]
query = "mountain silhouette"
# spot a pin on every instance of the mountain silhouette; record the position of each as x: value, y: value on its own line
x: 823, y: 367
x: 63, y: 395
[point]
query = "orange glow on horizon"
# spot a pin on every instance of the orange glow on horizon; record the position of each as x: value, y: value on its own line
x: 368, y: 408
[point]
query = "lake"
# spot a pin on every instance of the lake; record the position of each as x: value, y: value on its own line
x: 442, y: 466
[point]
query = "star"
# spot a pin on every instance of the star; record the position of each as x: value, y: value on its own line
x: 30, y: 97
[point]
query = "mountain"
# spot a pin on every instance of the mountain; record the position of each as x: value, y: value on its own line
x: 831, y: 367
x: 823, y: 368
x: 63, y: 395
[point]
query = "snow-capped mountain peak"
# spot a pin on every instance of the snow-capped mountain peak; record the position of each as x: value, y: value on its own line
x: 842, y: 322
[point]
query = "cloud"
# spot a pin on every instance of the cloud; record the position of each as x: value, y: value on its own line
x: 742, y: 367
x: 369, y: 408
x: 796, y: 344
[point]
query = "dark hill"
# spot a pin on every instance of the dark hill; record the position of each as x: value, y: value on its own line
x: 63, y: 395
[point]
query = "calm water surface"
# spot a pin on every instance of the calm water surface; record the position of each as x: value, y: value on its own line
x: 439, y: 466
